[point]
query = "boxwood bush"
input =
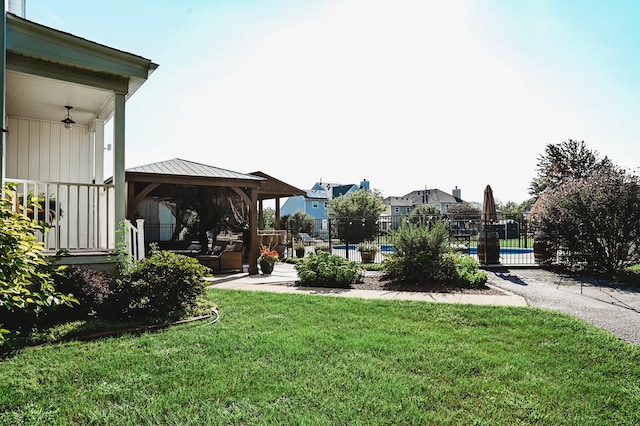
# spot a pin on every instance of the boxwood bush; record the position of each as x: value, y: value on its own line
x: 327, y: 270
x: 161, y: 286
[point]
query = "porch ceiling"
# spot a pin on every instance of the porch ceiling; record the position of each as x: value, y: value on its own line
x: 42, y: 98
x: 47, y: 69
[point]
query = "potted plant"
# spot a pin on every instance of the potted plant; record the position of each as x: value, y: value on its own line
x: 36, y: 206
x: 299, y: 247
x: 368, y: 252
x: 268, y: 257
x: 322, y: 246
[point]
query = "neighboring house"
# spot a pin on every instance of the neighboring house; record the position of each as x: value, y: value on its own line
x: 396, y: 209
x: 398, y: 206
x: 314, y: 203
x: 435, y: 198
x: 58, y: 151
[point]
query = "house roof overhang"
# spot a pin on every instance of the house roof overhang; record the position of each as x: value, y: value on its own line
x: 275, y: 188
x: 48, y: 69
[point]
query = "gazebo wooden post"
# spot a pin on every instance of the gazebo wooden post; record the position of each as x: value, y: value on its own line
x: 260, y: 215
x: 253, y: 227
x: 277, y: 218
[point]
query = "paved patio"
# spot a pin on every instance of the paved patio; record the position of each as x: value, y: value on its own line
x: 284, y: 274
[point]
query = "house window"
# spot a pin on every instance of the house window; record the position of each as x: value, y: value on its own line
x: 315, y: 205
x: 408, y: 209
x: 326, y: 204
x: 396, y: 209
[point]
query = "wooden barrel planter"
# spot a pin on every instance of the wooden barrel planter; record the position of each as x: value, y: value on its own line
x: 368, y: 256
x: 541, y: 252
x: 488, y: 248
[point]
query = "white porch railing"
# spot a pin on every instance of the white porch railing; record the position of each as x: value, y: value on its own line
x: 135, y: 239
x: 81, y: 215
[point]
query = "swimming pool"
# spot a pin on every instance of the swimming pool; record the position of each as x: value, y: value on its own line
x: 384, y: 248
x: 506, y: 250
x: 388, y: 248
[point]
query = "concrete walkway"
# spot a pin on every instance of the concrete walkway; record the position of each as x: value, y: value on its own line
x: 284, y: 273
x: 612, y: 306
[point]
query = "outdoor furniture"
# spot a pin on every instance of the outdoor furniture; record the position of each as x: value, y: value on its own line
x: 460, y: 243
x: 225, y: 256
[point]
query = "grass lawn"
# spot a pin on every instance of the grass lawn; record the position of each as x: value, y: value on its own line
x: 310, y: 360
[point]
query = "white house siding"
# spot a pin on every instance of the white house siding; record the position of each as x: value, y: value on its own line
x: 47, y: 152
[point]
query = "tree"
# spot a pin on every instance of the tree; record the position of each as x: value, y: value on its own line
x: 563, y: 161
x: 463, y: 210
x: 513, y: 208
x: 424, y: 214
x: 356, y: 214
x: 300, y: 222
x: 594, y: 220
x: 269, y: 217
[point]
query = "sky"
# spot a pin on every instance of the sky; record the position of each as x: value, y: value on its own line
x: 408, y: 94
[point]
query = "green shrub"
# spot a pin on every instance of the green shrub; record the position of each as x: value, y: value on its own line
x: 163, y: 285
x: 327, y: 270
x: 463, y: 270
x: 423, y: 256
x: 419, y: 254
x: 27, y: 285
x: 411, y: 239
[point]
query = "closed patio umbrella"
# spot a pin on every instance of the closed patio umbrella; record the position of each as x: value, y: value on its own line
x: 489, y: 212
x: 488, y: 242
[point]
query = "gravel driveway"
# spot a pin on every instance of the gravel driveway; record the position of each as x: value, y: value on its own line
x: 613, y: 307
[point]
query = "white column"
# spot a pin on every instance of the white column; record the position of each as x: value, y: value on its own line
x: 98, y: 143
x: 3, y: 101
x: 119, y: 183
x: 140, y: 240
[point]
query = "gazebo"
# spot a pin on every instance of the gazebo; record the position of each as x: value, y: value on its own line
x: 172, y: 178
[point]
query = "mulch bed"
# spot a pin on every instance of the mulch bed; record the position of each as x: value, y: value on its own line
x: 376, y: 282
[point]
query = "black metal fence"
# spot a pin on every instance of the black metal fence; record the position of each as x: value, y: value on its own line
x: 342, y: 236
x: 514, y: 235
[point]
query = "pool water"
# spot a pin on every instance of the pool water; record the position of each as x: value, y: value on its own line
x: 388, y: 248
x: 506, y: 250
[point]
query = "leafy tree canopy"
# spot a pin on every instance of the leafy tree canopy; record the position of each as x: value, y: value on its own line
x: 463, y: 210
x: 511, y: 207
x: 593, y: 221
x: 357, y: 214
x: 361, y: 203
x: 269, y: 217
x: 300, y: 222
x: 563, y: 161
